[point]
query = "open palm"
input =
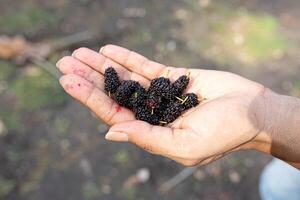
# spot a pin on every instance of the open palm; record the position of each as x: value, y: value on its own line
x: 228, y: 118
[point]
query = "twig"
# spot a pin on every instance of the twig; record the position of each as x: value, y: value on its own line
x: 46, y: 65
x: 64, y: 42
x: 72, y: 39
x: 175, y: 180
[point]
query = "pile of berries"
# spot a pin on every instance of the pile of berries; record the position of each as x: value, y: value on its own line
x: 161, y: 104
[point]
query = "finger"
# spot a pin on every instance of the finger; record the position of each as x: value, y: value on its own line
x: 70, y: 65
x: 95, y: 99
x: 156, y: 139
x: 150, y: 69
x: 133, y: 61
x: 100, y: 63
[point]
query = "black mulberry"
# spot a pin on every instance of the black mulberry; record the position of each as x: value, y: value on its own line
x: 172, y: 112
x: 125, y: 91
x: 144, y: 114
x: 160, y: 87
x: 190, y: 100
x: 161, y: 104
x: 180, y: 85
x: 138, y: 97
x: 153, y: 101
x: 111, y: 81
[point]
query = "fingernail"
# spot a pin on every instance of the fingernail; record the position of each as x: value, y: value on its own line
x: 101, y: 49
x: 74, y: 53
x: 57, y: 64
x: 63, y: 84
x: 61, y: 80
x: 117, y: 136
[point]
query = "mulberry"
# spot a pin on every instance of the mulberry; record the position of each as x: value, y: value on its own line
x: 164, y: 104
x: 172, y: 112
x: 153, y: 101
x: 125, y: 91
x: 111, y: 81
x: 190, y: 100
x: 138, y: 97
x: 145, y: 115
x: 180, y: 85
x: 160, y: 87
x: 161, y: 104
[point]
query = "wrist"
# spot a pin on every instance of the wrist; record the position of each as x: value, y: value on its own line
x: 279, y: 135
x: 268, y: 112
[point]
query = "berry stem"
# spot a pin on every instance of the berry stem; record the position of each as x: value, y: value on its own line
x: 188, y: 73
x: 186, y: 98
x: 109, y: 94
x: 166, y: 73
x: 201, y: 98
x: 163, y: 122
x: 180, y: 99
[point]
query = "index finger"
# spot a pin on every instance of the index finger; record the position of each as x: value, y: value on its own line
x: 133, y: 61
x: 99, y: 63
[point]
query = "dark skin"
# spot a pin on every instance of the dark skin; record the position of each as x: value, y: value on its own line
x: 236, y: 114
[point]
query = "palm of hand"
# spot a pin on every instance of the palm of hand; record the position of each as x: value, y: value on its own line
x: 225, y: 121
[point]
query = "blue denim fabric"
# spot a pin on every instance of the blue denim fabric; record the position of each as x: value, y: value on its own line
x: 279, y: 181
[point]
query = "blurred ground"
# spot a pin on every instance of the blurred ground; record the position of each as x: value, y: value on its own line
x: 51, y: 147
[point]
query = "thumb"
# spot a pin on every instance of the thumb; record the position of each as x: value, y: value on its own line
x: 155, y: 139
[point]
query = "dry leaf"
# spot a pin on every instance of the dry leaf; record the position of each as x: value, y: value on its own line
x: 11, y: 47
x: 18, y: 49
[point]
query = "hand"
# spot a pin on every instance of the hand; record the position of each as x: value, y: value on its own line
x: 229, y: 118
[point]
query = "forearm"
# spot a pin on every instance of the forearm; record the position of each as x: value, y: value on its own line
x: 281, y: 132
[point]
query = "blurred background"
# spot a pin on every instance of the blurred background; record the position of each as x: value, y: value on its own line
x: 51, y: 147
